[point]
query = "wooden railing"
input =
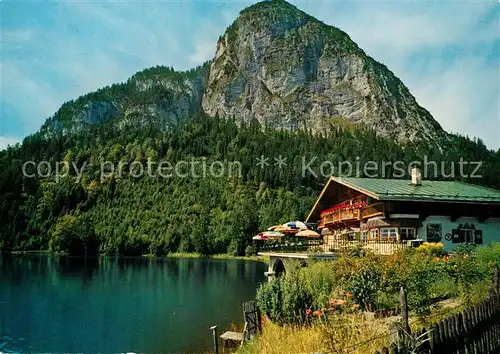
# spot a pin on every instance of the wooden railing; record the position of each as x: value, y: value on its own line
x: 353, y: 214
x: 372, y: 210
x: 290, y: 245
x: 376, y: 246
x: 341, y: 215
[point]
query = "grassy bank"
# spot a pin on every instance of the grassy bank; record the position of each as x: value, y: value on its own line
x: 218, y: 256
x: 32, y: 252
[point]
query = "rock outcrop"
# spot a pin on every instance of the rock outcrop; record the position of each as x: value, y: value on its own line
x: 283, y: 67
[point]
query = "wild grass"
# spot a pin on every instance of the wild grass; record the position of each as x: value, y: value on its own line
x: 340, y: 334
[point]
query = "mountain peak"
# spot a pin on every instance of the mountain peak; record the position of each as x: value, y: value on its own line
x: 273, y: 7
x: 281, y: 66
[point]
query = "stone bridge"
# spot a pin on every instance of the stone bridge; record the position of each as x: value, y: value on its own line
x: 278, y: 262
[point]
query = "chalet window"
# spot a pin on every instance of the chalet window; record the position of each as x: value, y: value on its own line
x: 408, y: 233
x: 374, y: 234
x: 467, y: 234
x: 478, y: 237
x: 389, y: 233
x: 434, y: 232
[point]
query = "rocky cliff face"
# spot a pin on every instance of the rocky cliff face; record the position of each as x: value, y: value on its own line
x: 275, y: 64
x: 283, y: 67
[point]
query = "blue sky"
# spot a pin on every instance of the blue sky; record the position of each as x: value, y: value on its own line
x: 447, y: 53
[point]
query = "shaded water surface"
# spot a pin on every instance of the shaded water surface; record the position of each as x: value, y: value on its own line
x: 56, y: 304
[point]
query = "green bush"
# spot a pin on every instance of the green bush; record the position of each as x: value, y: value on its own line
x: 487, y: 257
x: 296, y: 299
x: 422, y: 275
x: 319, y: 280
x: 464, y: 268
x: 285, y: 300
x: 355, y: 252
x: 465, y: 249
x: 364, y: 287
x: 417, y: 271
x: 444, y: 287
x: 250, y: 250
x: 270, y: 299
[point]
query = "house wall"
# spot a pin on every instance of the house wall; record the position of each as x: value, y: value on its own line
x: 490, y: 228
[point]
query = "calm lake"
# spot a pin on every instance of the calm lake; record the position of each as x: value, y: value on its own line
x: 57, y: 304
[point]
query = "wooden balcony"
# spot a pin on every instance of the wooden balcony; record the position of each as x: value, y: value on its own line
x: 346, y: 215
x: 342, y: 216
x: 321, y: 224
x: 372, y: 210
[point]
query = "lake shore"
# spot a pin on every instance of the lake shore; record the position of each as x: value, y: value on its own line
x: 170, y: 255
x: 218, y: 256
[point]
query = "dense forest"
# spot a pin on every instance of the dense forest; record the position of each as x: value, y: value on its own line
x: 134, y: 214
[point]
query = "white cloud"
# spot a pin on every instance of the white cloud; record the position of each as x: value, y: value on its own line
x: 205, y: 42
x: 204, y: 50
x: 459, y: 107
x: 5, y: 141
x: 36, y: 100
x: 17, y: 35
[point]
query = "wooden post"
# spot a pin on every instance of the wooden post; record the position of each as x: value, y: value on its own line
x: 404, y: 310
x: 496, y: 283
x: 216, y: 342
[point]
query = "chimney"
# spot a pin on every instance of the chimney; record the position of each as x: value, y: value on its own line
x: 416, y: 176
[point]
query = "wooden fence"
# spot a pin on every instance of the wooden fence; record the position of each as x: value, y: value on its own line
x: 289, y: 244
x: 377, y: 246
x: 475, y: 330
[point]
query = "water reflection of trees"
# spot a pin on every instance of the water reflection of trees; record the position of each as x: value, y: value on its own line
x: 18, y: 268
x: 78, y: 267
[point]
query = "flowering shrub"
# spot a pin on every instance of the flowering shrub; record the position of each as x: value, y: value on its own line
x: 432, y: 249
x: 336, y: 306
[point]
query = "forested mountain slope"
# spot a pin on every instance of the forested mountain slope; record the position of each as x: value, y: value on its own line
x: 131, y: 215
x: 281, y: 85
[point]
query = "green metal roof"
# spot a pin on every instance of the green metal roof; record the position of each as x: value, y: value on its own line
x: 399, y: 189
